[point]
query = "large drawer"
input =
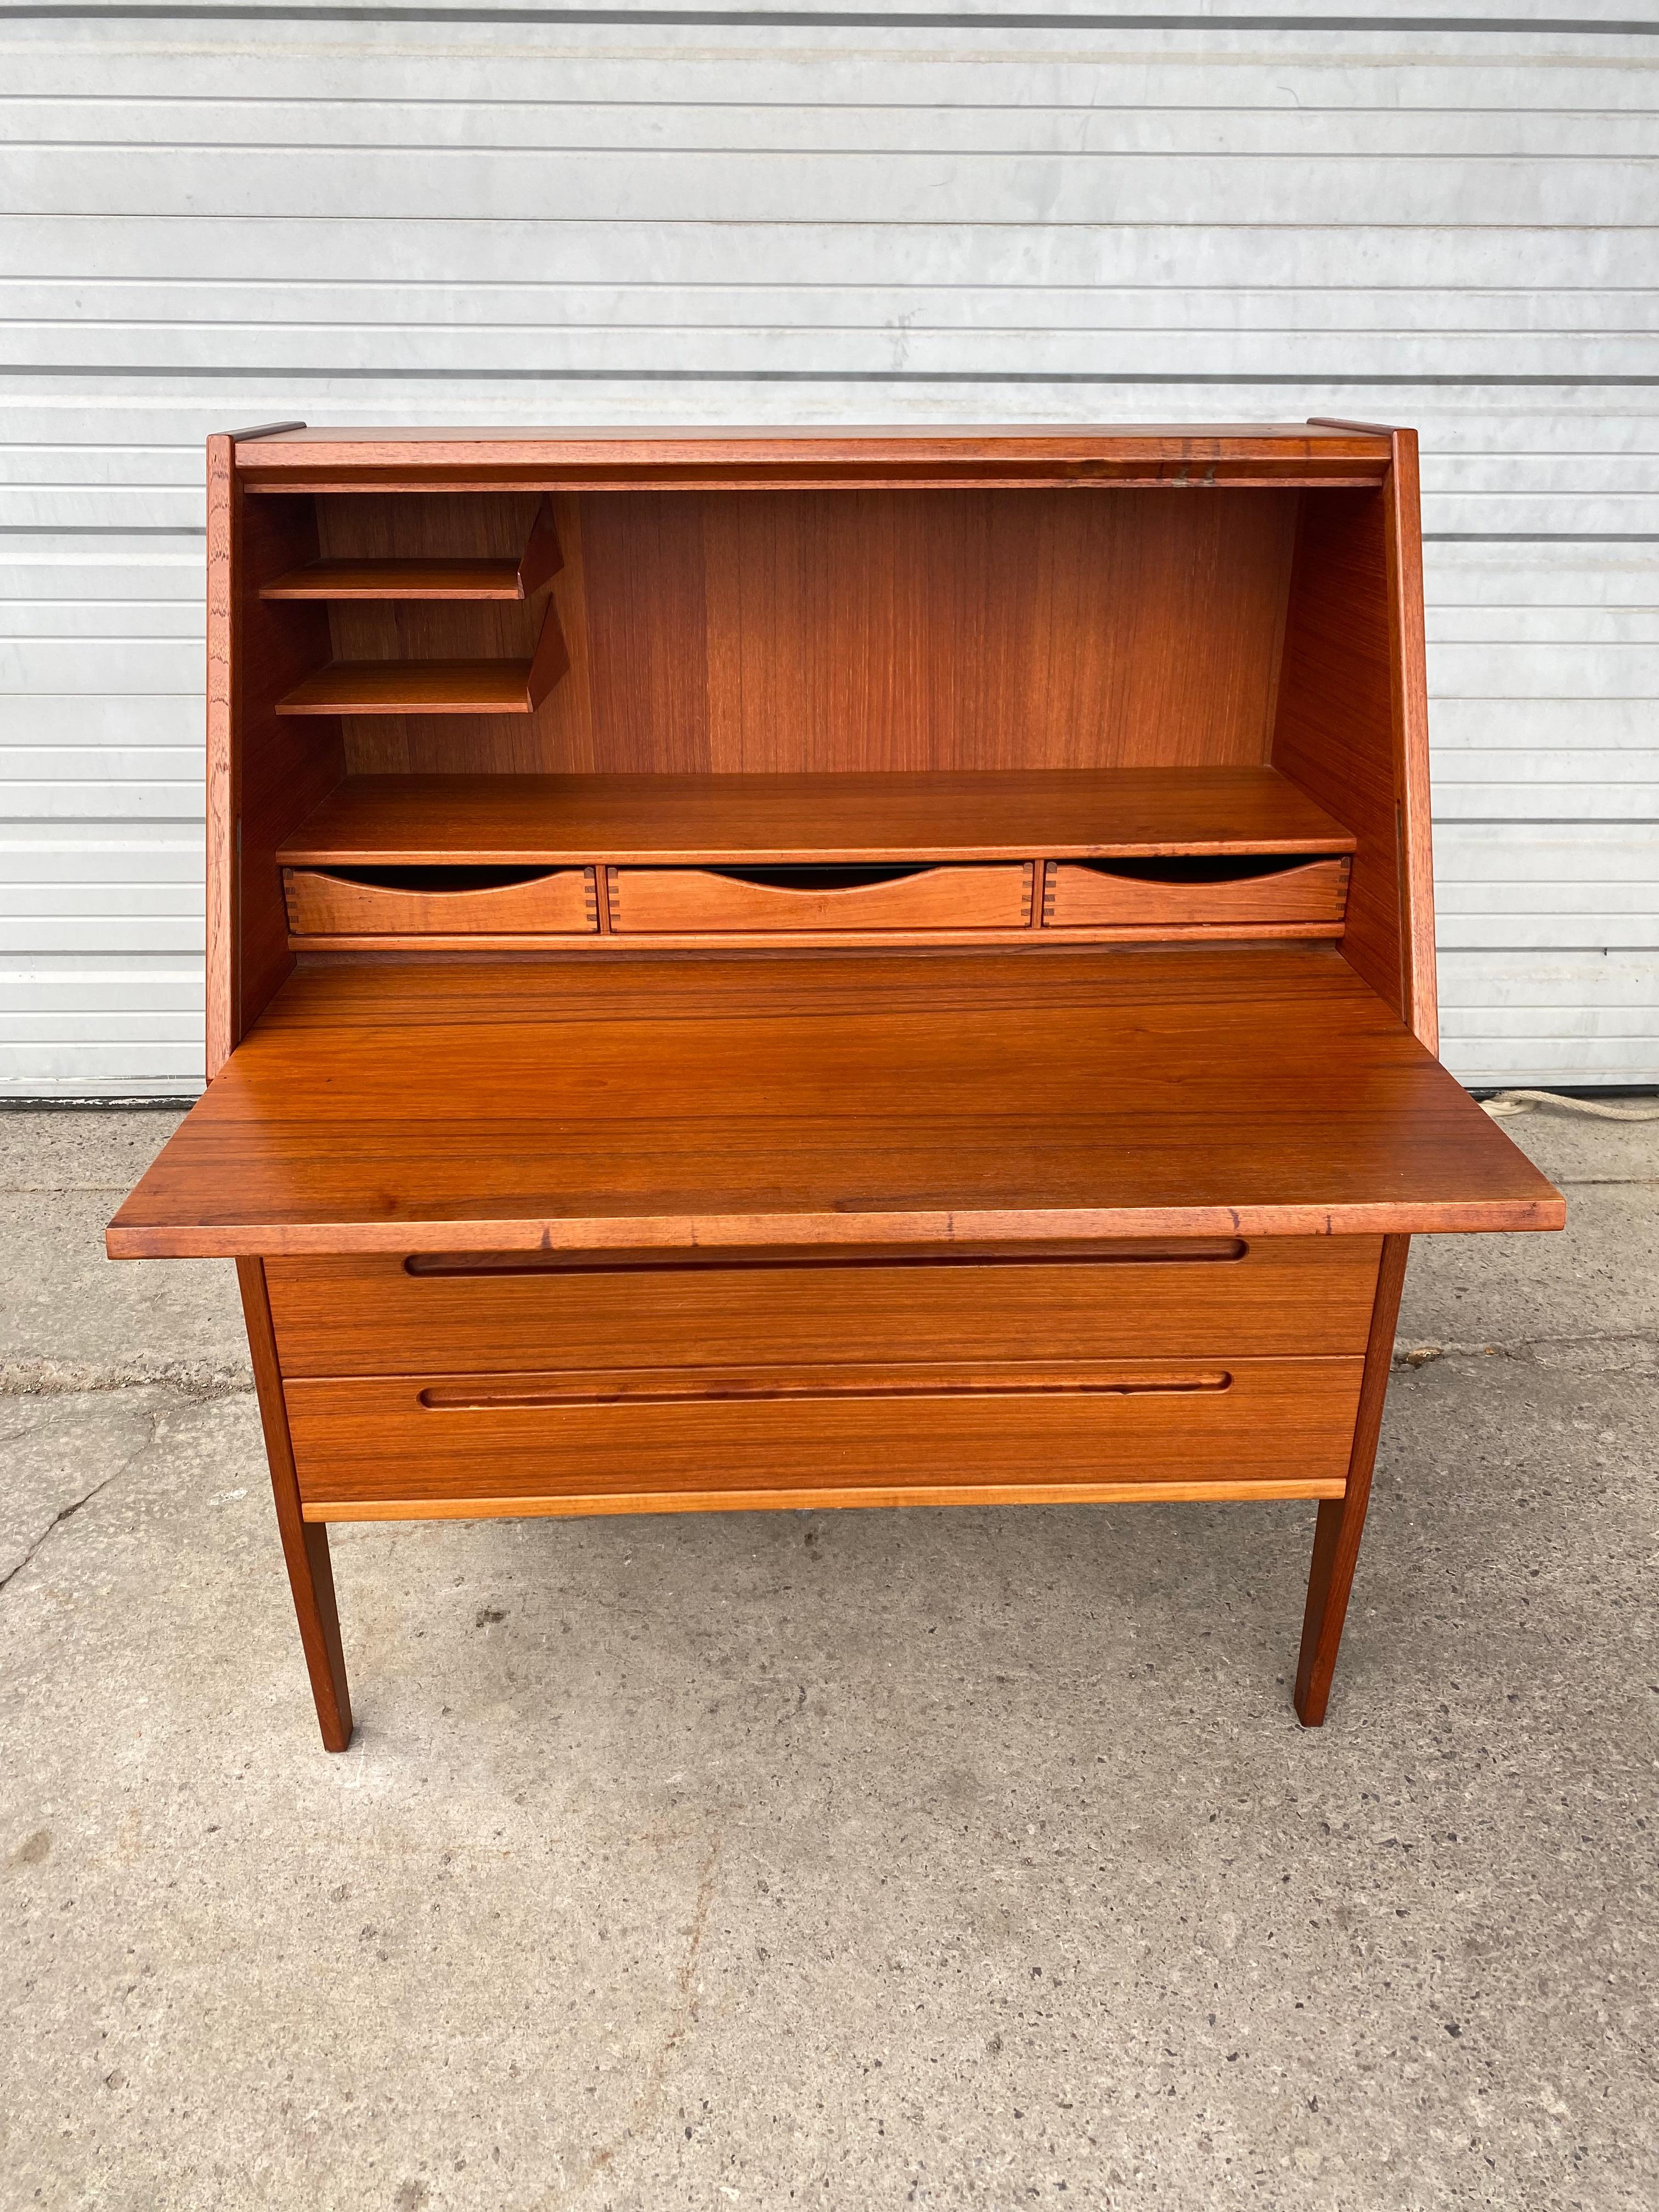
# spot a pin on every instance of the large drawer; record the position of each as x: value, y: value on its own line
x: 666, y: 901
x: 1175, y: 1298
x: 644, y: 1439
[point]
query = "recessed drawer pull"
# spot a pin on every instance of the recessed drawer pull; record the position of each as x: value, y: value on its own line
x: 1204, y: 867
x: 824, y: 876
x: 680, y: 1389
x: 1141, y: 1252
x: 822, y: 897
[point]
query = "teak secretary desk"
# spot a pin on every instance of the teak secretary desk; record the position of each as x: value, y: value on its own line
x: 818, y: 970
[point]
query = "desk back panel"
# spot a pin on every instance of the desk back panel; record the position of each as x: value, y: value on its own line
x: 721, y: 633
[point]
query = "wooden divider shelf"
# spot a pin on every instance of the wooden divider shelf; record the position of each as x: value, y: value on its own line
x: 662, y: 821
x: 434, y: 687
x: 811, y: 1013
x: 399, y: 580
x: 429, y: 579
x: 414, y: 687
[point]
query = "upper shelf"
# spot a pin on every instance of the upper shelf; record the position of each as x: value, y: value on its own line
x: 413, y: 687
x: 399, y: 580
x: 359, y: 579
x: 1085, y: 813
x: 436, y: 687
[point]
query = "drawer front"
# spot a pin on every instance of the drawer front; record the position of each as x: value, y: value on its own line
x: 638, y: 1439
x: 662, y: 900
x: 1077, y: 894
x: 432, y: 901
x: 1172, y: 1299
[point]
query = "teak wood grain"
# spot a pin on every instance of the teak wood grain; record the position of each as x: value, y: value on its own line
x: 361, y: 1443
x: 1352, y: 721
x: 223, y: 950
x: 1148, y: 813
x: 1076, y: 896
x: 1409, y: 717
x: 835, y: 1098
x: 932, y: 631
x: 1189, y: 1299
x: 325, y: 905
x: 668, y: 899
x: 1409, y: 723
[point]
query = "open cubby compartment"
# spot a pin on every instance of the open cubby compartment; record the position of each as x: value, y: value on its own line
x: 739, y: 715
x: 430, y: 605
x: 386, y: 571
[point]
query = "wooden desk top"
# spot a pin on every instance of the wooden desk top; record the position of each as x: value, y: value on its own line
x: 636, y: 1101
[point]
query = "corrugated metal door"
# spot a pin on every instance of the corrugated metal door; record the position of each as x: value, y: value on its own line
x: 220, y: 216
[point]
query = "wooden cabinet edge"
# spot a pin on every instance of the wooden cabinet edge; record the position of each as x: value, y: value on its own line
x: 804, y: 1500
x: 223, y: 956
x: 675, y: 1233
x: 616, y: 943
x: 1403, y: 543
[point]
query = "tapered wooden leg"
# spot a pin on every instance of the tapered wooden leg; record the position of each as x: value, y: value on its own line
x: 1342, y: 1520
x: 305, y: 1543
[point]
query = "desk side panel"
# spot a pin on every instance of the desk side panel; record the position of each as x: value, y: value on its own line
x: 1335, y: 729
x: 1410, y: 710
x: 282, y: 767
x: 223, y: 530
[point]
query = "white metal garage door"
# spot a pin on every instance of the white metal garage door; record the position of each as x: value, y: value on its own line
x: 219, y: 215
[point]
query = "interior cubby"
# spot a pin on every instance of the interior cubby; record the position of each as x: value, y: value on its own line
x: 831, y: 632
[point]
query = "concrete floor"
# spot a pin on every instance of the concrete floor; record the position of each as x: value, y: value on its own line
x: 948, y: 1859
